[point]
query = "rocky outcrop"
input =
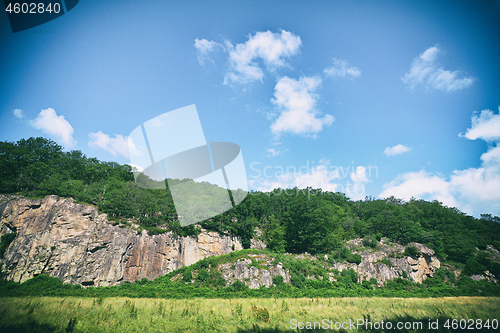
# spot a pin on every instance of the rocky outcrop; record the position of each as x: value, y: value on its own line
x: 387, y: 263
x: 486, y: 276
x: 260, y: 274
x: 78, y: 245
x: 256, y: 242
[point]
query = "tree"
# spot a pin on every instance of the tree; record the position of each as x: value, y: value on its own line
x: 275, y: 235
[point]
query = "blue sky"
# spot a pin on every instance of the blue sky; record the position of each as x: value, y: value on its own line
x: 373, y: 98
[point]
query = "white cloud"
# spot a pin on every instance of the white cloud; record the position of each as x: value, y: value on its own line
x: 396, y: 150
x: 419, y: 184
x: 270, y: 48
x: 296, y: 100
x: 424, y: 71
x: 486, y: 126
x: 119, y: 145
x: 136, y: 166
x: 360, y: 175
x: 204, y: 47
x: 57, y: 126
x: 272, y: 152
x: 18, y: 113
x: 473, y: 190
x: 357, y: 190
x: 341, y: 68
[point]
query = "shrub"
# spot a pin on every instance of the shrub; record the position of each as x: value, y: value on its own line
x: 385, y: 261
x: 354, y: 258
x: 411, y: 251
x: 319, y: 284
x: 370, y: 241
x: 298, y: 281
x: 187, y: 276
x: 238, y: 286
x: 216, y: 279
x: 260, y: 313
x: 202, y: 275
x: 350, y: 273
x: 278, y: 280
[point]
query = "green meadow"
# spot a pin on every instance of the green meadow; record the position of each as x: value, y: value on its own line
x: 119, y: 314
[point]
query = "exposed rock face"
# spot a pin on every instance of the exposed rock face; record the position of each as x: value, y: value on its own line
x: 252, y: 276
x: 256, y: 242
x: 418, y: 268
x: 77, y: 244
x: 487, y: 275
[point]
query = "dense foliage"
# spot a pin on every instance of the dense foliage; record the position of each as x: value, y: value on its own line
x: 292, y: 220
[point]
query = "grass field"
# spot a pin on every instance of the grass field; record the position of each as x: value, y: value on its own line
x: 72, y: 314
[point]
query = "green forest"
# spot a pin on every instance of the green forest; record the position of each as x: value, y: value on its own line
x: 291, y: 220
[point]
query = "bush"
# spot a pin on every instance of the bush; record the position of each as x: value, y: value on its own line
x: 202, y: 275
x: 298, y: 281
x: 411, y: 251
x: 239, y: 286
x: 216, y: 279
x: 370, y: 241
x: 351, y: 274
x: 260, y: 313
x: 477, y: 264
x: 385, y: 261
x: 354, y: 258
x: 187, y: 276
x: 278, y: 280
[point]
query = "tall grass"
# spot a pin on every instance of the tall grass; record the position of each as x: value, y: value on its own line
x: 72, y: 314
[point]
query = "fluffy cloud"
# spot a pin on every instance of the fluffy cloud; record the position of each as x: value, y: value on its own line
x: 424, y: 71
x: 119, y: 145
x: 486, y: 126
x: 473, y: 190
x: 18, y: 113
x: 341, y: 68
x: 271, y: 48
x: 56, y: 126
x: 419, y: 184
x: 296, y: 101
x: 359, y: 179
x: 204, y: 47
x: 396, y: 150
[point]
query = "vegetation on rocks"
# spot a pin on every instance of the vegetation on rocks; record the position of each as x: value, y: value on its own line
x: 308, y: 277
x: 292, y: 221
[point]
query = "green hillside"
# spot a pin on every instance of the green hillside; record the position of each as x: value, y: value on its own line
x: 292, y: 220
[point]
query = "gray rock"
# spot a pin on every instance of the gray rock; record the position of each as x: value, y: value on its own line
x: 78, y: 245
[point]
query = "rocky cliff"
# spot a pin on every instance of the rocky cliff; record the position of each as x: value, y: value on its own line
x: 78, y: 245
